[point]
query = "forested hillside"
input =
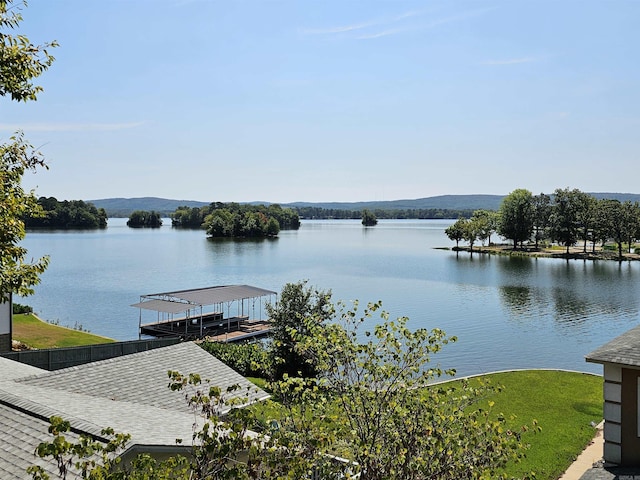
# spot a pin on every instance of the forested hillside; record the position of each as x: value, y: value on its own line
x: 123, y: 207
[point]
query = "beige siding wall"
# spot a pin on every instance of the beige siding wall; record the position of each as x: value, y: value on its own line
x: 612, y: 414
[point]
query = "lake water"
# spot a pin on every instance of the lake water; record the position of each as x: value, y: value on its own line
x: 506, y: 312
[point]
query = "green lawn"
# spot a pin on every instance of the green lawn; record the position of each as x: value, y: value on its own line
x: 563, y: 403
x: 35, y: 333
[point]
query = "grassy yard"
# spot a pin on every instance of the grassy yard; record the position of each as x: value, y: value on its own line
x: 30, y: 330
x: 563, y: 403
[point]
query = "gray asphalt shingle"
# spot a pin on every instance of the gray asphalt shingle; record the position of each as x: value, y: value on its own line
x: 129, y: 394
x: 623, y: 350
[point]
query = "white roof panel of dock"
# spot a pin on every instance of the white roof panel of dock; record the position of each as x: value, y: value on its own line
x: 174, y: 302
x: 165, y: 306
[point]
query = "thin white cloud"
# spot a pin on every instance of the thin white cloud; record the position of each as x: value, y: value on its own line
x: 364, y: 25
x: 384, y: 27
x: 511, y: 61
x: 383, y: 33
x: 333, y: 30
x: 69, y: 127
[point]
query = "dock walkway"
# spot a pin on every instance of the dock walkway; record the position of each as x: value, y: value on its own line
x: 212, y: 326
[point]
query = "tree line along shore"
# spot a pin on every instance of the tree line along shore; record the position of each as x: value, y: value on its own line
x: 569, y: 224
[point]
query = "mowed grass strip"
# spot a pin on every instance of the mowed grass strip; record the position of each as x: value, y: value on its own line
x: 30, y: 330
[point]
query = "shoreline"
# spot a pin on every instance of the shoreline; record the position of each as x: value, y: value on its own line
x: 575, y: 253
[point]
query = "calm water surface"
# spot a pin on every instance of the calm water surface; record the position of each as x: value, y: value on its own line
x: 506, y: 312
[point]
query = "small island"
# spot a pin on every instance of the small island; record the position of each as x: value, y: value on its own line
x: 369, y: 218
x: 234, y: 220
x: 143, y: 219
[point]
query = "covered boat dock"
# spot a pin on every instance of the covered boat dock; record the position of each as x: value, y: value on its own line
x: 225, y: 313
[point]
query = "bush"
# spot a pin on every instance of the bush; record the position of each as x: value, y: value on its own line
x: 248, y: 359
x: 18, y: 309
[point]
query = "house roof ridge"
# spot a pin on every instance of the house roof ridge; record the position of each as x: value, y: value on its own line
x: 106, y: 361
x: 45, y: 412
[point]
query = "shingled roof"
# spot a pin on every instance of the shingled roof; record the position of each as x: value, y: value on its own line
x: 128, y: 393
x: 622, y: 350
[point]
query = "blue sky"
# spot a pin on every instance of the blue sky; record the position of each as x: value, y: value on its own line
x: 333, y: 100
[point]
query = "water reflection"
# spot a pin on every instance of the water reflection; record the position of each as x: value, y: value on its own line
x: 517, y: 298
x: 572, y: 291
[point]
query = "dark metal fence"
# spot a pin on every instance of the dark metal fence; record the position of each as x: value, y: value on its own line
x: 57, y: 358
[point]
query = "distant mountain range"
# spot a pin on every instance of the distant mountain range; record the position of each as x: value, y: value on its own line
x: 122, y: 207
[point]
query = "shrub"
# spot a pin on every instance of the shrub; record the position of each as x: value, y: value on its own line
x: 18, y: 309
x: 248, y: 359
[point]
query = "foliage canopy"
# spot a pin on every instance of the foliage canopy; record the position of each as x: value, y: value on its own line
x: 20, y: 63
x: 67, y: 214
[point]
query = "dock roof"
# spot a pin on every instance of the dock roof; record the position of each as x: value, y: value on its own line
x: 182, y: 300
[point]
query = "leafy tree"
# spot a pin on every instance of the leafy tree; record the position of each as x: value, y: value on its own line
x: 92, y: 459
x: 140, y: 218
x: 600, y: 231
x: 17, y: 275
x: 564, y: 217
x: 516, y: 216
x: 188, y: 217
x: 21, y: 63
x: 633, y: 217
x: 541, y: 216
x: 585, y: 216
x: 67, y: 214
x: 273, y: 227
x: 289, y: 321
x: 384, y: 413
x: 456, y: 231
x: 485, y: 224
x: 369, y: 218
x: 472, y: 229
x: 616, y: 216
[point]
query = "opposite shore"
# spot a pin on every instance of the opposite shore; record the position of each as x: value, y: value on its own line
x: 575, y: 253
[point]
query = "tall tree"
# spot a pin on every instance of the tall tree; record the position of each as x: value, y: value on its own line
x: 472, y: 231
x: 456, y: 231
x: 585, y: 216
x: 617, y: 221
x: 516, y: 216
x: 600, y: 230
x: 21, y: 63
x: 633, y: 217
x: 564, y: 216
x: 541, y: 216
x: 298, y: 303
